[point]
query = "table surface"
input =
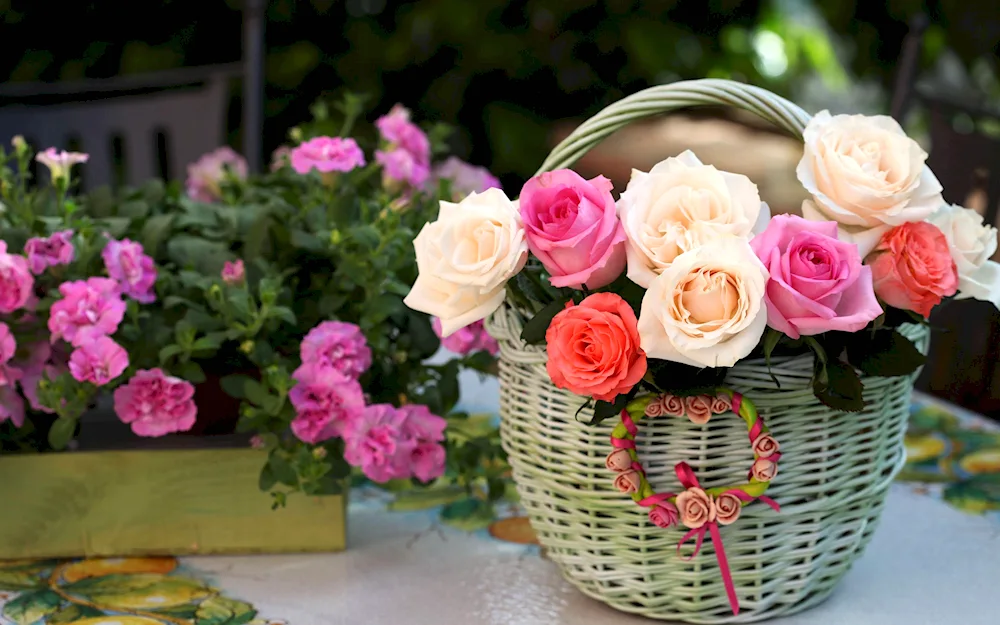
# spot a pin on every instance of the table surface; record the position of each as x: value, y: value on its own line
x: 934, y: 560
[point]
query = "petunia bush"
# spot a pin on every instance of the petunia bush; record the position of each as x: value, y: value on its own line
x: 283, y: 291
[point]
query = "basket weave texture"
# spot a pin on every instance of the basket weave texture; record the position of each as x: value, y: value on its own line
x: 835, y: 469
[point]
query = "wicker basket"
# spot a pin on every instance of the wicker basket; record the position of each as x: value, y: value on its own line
x: 835, y: 471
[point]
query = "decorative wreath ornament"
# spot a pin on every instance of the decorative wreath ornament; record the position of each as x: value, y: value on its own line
x: 699, y: 509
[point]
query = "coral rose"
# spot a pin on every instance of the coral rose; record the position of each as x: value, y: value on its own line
x: 764, y: 469
x: 721, y: 404
x: 765, y: 446
x: 727, y: 508
x: 572, y: 227
x: 628, y: 481
x: 593, y: 348
x: 619, y: 460
x: 912, y: 267
x: 698, y: 408
x: 663, y: 515
x: 696, y: 508
x: 816, y: 283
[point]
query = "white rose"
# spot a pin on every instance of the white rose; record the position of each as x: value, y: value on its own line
x: 465, y: 258
x: 706, y: 309
x: 972, y: 244
x: 865, y: 174
x: 678, y: 206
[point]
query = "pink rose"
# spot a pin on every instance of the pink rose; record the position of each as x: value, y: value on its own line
x: 816, y: 283
x: 56, y: 249
x: 913, y: 268
x: 16, y: 282
x: 696, y: 508
x: 132, y: 268
x: 764, y: 469
x: 325, y: 402
x: 327, y: 154
x: 765, y: 446
x: 464, y: 178
x: 156, y: 404
x: 88, y: 309
x: 619, y: 460
x: 336, y: 344
x: 374, y: 441
x: 98, y: 361
x: 698, y: 408
x: 672, y: 405
x: 663, y: 515
x: 205, y: 175
x: 471, y: 338
x: 628, y: 481
x: 721, y: 404
x: 727, y: 508
x: 572, y: 227
x: 233, y: 273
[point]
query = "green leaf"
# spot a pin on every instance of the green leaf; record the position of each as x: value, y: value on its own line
x: 192, y: 372
x: 155, y: 232
x: 255, y: 392
x: 534, y: 330
x: 282, y: 470
x: 283, y: 313
x: 448, y: 386
x: 19, y: 580
x: 605, y: 410
x: 422, y: 336
x: 30, y: 607
x: 426, y: 498
x: 481, y: 361
x: 266, y: 481
x: 771, y: 339
x: 210, y: 341
x: 366, y: 236
x: 133, y: 209
x: 116, y: 226
x: 169, y: 351
x: 172, y: 301
x: 884, y: 353
x: 837, y: 385
x: 219, y: 610
x: 235, y: 385
x: 203, y: 255
x: 61, y: 432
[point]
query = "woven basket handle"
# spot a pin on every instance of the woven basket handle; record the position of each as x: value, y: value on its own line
x: 666, y: 98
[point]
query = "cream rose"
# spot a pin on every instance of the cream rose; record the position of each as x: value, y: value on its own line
x: 465, y: 258
x: 707, y: 308
x: 865, y: 174
x: 971, y: 243
x: 679, y: 205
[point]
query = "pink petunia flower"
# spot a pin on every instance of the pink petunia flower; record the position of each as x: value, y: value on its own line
x: 56, y: 249
x: 98, y: 361
x: 206, y: 174
x: 155, y: 404
x: 88, y: 309
x: 471, y: 338
x: 8, y: 345
x: 465, y: 178
x: 375, y: 443
x: 406, y: 158
x: 60, y: 162
x: 327, y: 154
x: 339, y: 345
x: 11, y: 406
x: 325, y: 402
x: 233, y: 273
x: 424, y: 431
x: 127, y: 263
x: 399, y: 166
x: 16, y: 282
x: 281, y: 157
x: 42, y: 361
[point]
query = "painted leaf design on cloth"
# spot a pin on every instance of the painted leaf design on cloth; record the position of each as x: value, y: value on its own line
x: 99, y: 567
x: 223, y: 611
x: 29, y: 607
x: 20, y: 580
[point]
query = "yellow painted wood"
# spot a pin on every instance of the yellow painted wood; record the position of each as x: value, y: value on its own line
x: 155, y: 502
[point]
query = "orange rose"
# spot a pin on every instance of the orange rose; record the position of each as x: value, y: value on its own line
x: 912, y: 267
x: 727, y: 508
x: 619, y: 460
x: 699, y: 408
x: 593, y: 348
x: 764, y: 470
x: 696, y: 508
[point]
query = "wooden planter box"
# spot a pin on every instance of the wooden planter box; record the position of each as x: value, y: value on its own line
x: 159, y: 501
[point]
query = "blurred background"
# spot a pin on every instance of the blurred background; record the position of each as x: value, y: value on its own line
x: 514, y: 76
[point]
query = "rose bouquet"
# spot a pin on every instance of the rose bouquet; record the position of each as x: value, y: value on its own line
x: 687, y: 272
x: 281, y: 293
x: 683, y: 300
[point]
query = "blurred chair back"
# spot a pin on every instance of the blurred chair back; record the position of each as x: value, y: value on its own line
x: 965, y: 156
x: 134, y: 128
